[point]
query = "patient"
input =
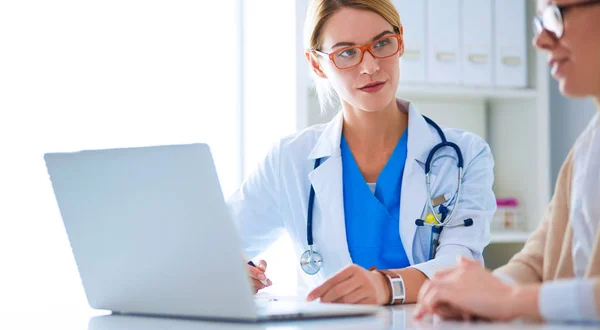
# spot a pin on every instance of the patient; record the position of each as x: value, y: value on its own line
x: 556, y: 277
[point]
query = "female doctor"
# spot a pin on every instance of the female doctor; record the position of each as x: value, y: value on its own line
x: 365, y: 170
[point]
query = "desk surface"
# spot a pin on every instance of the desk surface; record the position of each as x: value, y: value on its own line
x: 398, y: 317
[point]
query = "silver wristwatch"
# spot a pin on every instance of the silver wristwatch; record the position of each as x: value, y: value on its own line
x: 397, y: 287
x: 398, y: 291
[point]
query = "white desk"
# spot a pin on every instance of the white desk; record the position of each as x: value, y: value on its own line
x: 398, y: 317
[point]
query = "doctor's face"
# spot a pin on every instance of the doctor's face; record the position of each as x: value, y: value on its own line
x: 574, y: 58
x: 372, y: 84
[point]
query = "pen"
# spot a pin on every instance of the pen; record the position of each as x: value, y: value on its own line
x: 264, y: 282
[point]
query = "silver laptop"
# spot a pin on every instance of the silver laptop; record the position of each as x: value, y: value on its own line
x: 151, y: 234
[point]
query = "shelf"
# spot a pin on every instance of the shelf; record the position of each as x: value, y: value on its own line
x: 447, y: 92
x: 510, y: 237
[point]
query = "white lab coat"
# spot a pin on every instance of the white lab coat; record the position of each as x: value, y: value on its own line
x: 274, y: 198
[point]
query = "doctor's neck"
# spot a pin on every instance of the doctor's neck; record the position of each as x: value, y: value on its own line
x: 374, y: 129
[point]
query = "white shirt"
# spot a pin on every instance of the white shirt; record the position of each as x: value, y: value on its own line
x: 585, y: 197
x: 573, y: 299
x: 372, y: 186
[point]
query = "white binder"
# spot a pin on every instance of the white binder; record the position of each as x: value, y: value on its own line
x: 510, y: 53
x: 476, y: 41
x: 443, y: 65
x: 413, y: 17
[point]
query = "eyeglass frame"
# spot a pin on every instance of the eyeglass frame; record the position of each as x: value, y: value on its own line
x: 538, y: 20
x: 363, y: 49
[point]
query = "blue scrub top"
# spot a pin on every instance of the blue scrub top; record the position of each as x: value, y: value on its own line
x: 373, y: 220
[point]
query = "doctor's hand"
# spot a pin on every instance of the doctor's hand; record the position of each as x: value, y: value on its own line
x: 258, y: 277
x: 470, y: 291
x: 353, y: 285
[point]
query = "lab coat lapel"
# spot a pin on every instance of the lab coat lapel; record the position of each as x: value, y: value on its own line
x: 414, y: 192
x: 329, y: 226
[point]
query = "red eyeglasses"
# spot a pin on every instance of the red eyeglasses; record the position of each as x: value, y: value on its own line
x: 350, y: 57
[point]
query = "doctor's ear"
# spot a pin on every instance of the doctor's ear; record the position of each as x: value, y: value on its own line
x: 401, y: 46
x: 401, y: 49
x: 314, y: 64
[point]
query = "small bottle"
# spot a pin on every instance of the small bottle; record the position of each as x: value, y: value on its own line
x: 507, y: 214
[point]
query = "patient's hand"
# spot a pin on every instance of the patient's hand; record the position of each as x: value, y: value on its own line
x: 466, y: 291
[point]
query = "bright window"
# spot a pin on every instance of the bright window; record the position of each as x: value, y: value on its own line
x: 98, y: 74
x: 105, y: 74
x: 269, y: 68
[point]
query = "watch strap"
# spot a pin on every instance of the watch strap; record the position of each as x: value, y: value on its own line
x: 391, y: 275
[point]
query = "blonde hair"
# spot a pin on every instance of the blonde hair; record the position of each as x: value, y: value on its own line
x: 319, y: 11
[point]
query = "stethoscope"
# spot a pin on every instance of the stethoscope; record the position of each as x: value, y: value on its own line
x: 443, y: 220
x: 311, y: 261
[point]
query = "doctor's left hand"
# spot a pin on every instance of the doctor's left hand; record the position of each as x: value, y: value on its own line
x: 353, y: 285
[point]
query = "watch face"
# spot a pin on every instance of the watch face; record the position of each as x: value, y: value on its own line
x: 398, y: 288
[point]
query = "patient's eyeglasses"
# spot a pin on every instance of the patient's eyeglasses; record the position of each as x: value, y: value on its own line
x: 551, y: 19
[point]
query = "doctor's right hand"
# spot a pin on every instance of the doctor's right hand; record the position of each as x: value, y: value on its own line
x: 257, y: 275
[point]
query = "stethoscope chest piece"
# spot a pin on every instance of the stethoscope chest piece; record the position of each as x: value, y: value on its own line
x: 311, y: 262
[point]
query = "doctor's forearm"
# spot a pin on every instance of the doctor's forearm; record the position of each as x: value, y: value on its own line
x: 413, y: 280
